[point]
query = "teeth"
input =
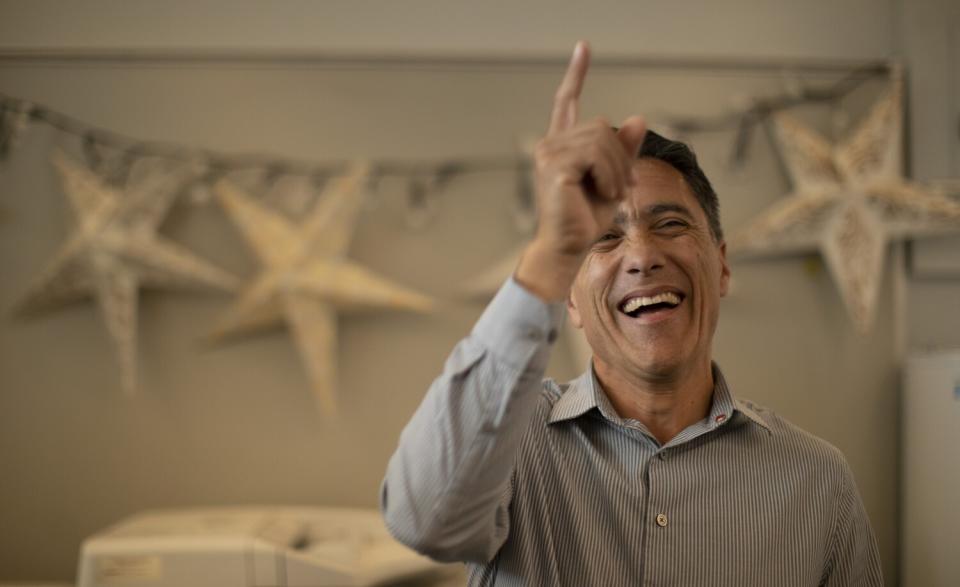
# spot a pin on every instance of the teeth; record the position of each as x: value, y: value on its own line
x: 634, y: 304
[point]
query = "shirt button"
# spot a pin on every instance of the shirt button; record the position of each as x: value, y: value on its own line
x: 662, y: 520
x: 720, y: 418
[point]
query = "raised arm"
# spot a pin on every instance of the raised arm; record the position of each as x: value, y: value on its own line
x: 582, y: 171
x: 447, y: 487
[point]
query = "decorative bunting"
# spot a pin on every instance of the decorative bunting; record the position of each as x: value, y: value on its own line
x: 306, y: 276
x: 848, y: 202
x: 115, y: 248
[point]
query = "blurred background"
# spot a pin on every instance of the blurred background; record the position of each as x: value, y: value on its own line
x: 442, y: 99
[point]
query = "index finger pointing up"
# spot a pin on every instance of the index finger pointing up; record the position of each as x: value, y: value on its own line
x: 566, y: 102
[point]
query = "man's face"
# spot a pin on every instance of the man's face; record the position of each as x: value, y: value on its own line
x: 648, y: 292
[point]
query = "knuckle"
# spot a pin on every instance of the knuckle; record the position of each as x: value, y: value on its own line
x: 544, y: 160
x: 556, y: 181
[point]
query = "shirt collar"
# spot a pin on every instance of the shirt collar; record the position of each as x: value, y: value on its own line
x: 584, y: 394
x: 579, y: 398
x: 725, y: 405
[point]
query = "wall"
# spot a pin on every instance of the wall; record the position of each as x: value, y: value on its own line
x: 236, y: 424
x: 778, y: 28
x: 931, y: 49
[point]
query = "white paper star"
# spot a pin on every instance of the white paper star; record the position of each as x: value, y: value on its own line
x: 848, y: 202
x: 306, y: 276
x: 114, y: 249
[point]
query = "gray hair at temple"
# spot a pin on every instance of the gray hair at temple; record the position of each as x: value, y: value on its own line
x: 682, y: 158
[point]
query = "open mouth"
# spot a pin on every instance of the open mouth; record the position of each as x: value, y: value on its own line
x: 637, y: 306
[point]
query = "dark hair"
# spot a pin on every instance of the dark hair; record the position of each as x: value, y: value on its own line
x: 682, y: 158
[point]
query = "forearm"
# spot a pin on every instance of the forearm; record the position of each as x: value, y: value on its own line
x: 445, y: 485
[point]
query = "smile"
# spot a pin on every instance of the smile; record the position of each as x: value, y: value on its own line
x: 636, y: 306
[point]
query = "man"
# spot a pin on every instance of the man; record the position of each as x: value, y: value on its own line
x: 645, y: 470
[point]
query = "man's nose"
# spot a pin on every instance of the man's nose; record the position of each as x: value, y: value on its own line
x: 642, y: 255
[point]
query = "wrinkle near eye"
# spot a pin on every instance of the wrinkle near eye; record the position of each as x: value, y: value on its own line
x: 605, y: 243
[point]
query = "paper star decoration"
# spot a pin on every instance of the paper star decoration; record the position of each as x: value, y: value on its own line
x: 849, y: 201
x: 306, y: 276
x: 489, y: 281
x: 115, y: 249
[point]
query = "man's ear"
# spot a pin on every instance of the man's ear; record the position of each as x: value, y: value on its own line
x: 573, y: 311
x: 724, y: 270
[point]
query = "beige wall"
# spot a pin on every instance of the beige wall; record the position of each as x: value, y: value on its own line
x: 772, y: 28
x: 236, y: 424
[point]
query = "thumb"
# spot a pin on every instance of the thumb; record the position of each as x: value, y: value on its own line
x: 631, y: 134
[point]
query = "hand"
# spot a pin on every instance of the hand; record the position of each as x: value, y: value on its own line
x: 582, y: 172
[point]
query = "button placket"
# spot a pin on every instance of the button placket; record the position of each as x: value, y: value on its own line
x: 654, y: 464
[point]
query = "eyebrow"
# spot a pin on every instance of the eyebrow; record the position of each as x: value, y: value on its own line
x: 654, y: 210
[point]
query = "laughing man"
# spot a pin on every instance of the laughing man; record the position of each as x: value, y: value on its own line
x: 646, y: 470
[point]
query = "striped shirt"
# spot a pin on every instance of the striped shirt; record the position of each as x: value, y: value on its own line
x: 532, y: 482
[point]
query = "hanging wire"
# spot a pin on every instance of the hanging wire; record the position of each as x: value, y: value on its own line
x: 93, y: 136
x: 683, y: 124
x: 424, y: 178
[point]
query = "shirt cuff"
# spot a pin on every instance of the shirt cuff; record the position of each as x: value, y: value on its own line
x: 518, y: 326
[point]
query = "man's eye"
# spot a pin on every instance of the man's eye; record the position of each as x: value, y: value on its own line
x: 608, y: 236
x: 672, y: 223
